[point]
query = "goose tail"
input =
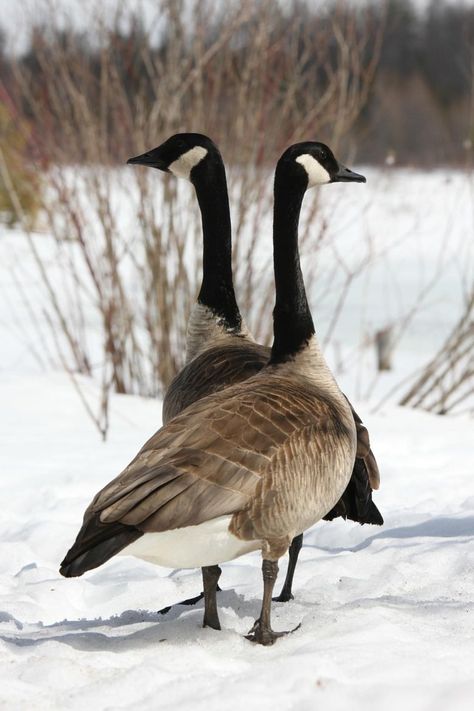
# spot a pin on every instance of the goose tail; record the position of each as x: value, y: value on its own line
x: 356, y: 502
x: 95, y: 544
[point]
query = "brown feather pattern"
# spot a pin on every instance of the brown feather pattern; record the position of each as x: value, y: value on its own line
x: 233, y: 360
x: 249, y: 455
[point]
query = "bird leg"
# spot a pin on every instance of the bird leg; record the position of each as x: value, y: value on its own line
x: 190, y: 600
x: 210, y: 577
x: 262, y: 632
x: 294, y: 551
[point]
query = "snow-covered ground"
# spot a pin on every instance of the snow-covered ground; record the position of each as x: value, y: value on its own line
x: 386, y: 613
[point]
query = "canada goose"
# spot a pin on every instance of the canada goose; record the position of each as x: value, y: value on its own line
x: 220, y: 350
x: 249, y: 467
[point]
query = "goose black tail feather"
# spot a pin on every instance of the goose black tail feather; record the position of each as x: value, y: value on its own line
x: 95, y: 544
x: 356, y: 502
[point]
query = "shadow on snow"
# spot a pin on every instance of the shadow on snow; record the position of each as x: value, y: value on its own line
x: 180, y: 623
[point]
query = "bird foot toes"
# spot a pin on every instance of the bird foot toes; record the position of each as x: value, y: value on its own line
x: 284, y: 597
x: 265, y: 635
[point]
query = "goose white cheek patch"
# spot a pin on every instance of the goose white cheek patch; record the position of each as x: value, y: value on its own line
x: 183, y: 166
x: 317, y: 175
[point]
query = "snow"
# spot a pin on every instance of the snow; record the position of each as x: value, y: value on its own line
x: 386, y: 613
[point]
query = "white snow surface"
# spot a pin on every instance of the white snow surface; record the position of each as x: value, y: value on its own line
x: 386, y: 613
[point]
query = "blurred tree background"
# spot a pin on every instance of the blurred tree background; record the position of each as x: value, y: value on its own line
x: 408, y: 85
x: 387, y: 82
x: 420, y: 108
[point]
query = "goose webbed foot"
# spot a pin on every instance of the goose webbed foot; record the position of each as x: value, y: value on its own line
x: 210, y: 577
x: 286, y: 595
x: 190, y: 601
x: 262, y: 632
x: 265, y: 635
x: 197, y: 598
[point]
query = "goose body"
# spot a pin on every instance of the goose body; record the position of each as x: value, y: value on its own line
x: 265, y: 458
x: 226, y: 476
x: 251, y: 466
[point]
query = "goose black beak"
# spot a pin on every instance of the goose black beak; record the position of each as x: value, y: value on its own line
x: 344, y: 175
x: 148, y: 159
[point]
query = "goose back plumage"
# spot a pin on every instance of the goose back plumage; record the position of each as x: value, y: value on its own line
x: 235, y: 359
x: 231, y: 453
x: 227, y: 361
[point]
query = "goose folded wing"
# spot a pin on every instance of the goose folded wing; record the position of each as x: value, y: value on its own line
x: 211, y: 371
x: 158, y: 493
x: 183, y: 488
x: 204, y: 464
x: 364, y: 451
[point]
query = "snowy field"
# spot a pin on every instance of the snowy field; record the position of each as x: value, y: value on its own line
x: 387, y: 617
x: 386, y: 613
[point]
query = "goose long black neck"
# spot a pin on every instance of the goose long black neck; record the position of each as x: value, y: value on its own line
x: 292, y: 321
x: 217, y: 289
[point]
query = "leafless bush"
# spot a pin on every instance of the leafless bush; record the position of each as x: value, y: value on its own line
x: 253, y: 76
x: 447, y: 381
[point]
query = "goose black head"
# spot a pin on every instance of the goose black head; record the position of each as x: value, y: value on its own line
x: 316, y: 162
x: 180, y: 154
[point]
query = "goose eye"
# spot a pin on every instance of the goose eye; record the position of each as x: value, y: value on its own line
x: 323, y: 155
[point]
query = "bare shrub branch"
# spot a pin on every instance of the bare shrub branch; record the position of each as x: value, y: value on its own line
x: 255, y: 76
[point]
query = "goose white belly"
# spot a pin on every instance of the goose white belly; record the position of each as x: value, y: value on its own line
x: 208, y: 543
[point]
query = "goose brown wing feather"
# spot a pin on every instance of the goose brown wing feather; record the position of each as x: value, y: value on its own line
x: 228, y: 364
x: 365, y: 453
x: 208, y: 462
x: 356, y: 502
x: 225, y: 365
x: 372, y: 470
